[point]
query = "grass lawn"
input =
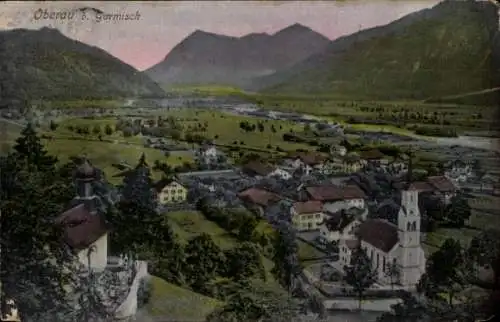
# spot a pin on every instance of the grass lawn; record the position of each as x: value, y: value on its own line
x: 224, y: 128
x: 104, y: 154
x: 308, y: 251
x: 480, y: 219
x: 178, y: 304
x: 189, y: 224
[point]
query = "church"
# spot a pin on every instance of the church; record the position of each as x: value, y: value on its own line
x: 392, y: 239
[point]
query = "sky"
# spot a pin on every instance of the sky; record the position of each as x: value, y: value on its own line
x: 145, y: 41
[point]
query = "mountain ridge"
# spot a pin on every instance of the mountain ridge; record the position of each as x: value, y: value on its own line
x: 44, y: 63
x: 418, y: 56
x: 209, y: 58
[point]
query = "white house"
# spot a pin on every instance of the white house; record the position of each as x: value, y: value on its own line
x: 336, y: 198
x: 400, y: 243
x: 307, y: 215
x: 260, y: 170
x: 306, y: 161
x: 208, y: 154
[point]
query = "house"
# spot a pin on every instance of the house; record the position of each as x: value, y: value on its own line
x: 306, y: 161
x: 307, y: 215
x: 170, y: 191
x: 374, y: 157
x: 86, y: 234
x: 444, y: 187
x: 258, y: 199
x: 335, y: 198
x: 208, y: 154
x: 387, y: 243
x: 338, y: 226
x: 260, y: 170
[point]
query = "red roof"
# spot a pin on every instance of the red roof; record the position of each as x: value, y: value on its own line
x: 259, y: 196
x: 81, y: 228
x: 258, y: 168
x: 420, y: 186
x: 308, y: 207
x: 379, y: 233
x: 309, y: 158
x: 372, y: 155
x: 442, y: 183
x: 335, y: 193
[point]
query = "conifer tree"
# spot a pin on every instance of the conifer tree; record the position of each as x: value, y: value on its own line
x: 359, y: 274
x: 138, y: 186
x: 30, y: 149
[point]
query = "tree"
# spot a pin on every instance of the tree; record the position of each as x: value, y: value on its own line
x: 138, y: 185
x: 204, y: 261
x: 447, y: 268
x: 53, y: 125
x: 286, y: 265
x: 458, y: 211
x: 30, y: 151
x: 33, y: 194
x: 393, y: 273
x: 108, y: 130
x: 261, y: 127
x: 359, y: 274
x: 484, y: 249
x: 244, y: 261
x: 247, y: 227
x: 96, y: 130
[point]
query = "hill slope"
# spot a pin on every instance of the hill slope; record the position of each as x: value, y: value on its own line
x: 46, y: 64
x: 207, y: 58
x: 445, y: 50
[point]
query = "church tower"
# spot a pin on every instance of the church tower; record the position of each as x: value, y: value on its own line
x: 410, y: 252
x: 85, y: 177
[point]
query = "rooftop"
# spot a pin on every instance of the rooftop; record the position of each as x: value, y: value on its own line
x: 81, y: 228
x: 379, y: 233
x: 259, y: 196
x: 335, y: 193
x: 308, y: 207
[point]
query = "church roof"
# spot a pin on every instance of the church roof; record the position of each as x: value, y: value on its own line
x: 81, y: 228
x: 381, y: 234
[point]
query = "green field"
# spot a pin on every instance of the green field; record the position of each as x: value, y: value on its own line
x: 224, y: 128
x: 482, y: 218
x: 177, y: 303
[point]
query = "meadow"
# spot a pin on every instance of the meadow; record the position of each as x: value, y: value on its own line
x: 485, y: 215
x: 224, y: 128
x: 177, y: 303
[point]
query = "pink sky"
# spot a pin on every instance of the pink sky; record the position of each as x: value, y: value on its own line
x: 162, y: 25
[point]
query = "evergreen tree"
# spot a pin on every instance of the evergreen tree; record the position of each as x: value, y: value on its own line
x: 30, y: 150
x: 360, y: 274
x: 29, y: 203
x: 138, y: 186
x: 286, y: 264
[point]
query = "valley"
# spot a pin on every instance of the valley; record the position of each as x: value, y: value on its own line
x: 257, y: 176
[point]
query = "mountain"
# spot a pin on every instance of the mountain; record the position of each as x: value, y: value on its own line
x: 46, y: 64
x: 208, y: 58
x: 441, y: 51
